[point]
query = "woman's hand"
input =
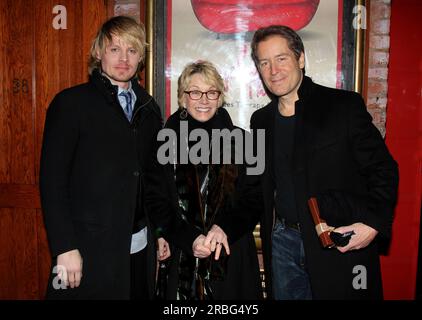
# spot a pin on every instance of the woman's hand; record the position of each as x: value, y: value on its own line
x: 163, y: 249
x: 216, y: 238
x: 199, y: 249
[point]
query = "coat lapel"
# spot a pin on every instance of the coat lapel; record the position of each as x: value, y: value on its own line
x: 269, y: 141
x: 143, y: 99
x: 299, y: 150
x: 267, y: 123
x: 110, y: 94
x: 108, y: 91
x: 304, y: 131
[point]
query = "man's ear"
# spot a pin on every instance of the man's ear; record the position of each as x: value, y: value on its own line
x: 98, y: 54
x: 302, y: 60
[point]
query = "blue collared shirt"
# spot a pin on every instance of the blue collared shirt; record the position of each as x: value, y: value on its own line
x: 122, y: 100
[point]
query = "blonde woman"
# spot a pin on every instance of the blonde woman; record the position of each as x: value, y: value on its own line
x: 206, y: 264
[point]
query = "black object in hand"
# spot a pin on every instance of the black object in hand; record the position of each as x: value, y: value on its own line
x: 161, y: 286
x: 218, y: 268
x: 341, y: 239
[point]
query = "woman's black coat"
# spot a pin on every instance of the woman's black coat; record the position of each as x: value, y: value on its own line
x: 243, y: 281
x: 338, y: 154
x: 92, y: 167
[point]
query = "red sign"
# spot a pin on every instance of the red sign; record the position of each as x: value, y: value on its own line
x: 232, y: 16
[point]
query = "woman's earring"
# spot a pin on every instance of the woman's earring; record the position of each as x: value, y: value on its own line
x: 184, y: 114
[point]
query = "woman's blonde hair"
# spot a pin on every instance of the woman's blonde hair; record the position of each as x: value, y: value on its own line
x: 210, y: 74
x: 130, y: 31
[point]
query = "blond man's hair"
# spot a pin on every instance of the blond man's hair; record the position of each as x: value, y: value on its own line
x: 130, y: 31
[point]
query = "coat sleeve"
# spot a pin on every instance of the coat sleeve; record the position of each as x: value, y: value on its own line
x: 249, y: 203
x: 376, y: 165
x: 247, y: 210
x: 60, y: 141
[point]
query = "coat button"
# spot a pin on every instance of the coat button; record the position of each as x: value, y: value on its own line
x: 136, y: 173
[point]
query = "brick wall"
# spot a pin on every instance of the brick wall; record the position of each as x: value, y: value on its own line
x: 379, y: 45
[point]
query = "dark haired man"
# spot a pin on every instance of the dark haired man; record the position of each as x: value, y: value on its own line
x: 319, y: 142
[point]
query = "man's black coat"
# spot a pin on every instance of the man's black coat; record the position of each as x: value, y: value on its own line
x: 338, y: 154
x: 91, y: 179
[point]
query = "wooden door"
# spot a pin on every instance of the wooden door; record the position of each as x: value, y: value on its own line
x: 37, y: 60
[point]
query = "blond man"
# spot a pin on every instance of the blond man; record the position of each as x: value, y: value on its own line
x: 98, y: 142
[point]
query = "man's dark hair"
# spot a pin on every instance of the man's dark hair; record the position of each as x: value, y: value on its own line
x: 293, y: 40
